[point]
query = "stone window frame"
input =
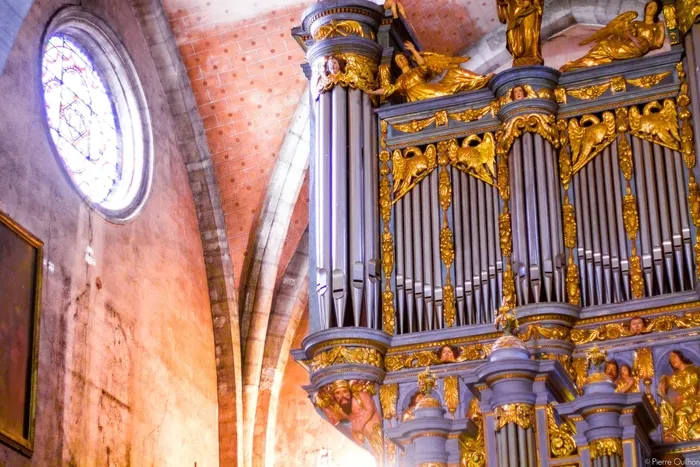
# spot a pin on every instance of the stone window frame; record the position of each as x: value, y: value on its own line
x: 112, y: 61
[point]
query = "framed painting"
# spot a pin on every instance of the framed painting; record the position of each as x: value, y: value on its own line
x: 20, y: 303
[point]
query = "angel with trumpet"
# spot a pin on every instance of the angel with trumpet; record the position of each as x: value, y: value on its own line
x: 623, y: 38
x: 415, y: 82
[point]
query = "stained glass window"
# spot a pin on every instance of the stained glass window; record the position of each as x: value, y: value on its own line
x: 81, y: 118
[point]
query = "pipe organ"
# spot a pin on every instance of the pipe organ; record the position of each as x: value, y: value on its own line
x: 504, y: 268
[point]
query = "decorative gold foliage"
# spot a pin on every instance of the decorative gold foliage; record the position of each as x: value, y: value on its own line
x: 656, y: 123
x: 589, y: 137
x: 410, y: 167
x: 687, y: 13
x: 476, y: 156
x: 470, y: 115
x: 649, y: 81
x: 565, y: 169
x: 611, y: 331
x: 605, y: 447
x: 508, y: 289
x: 388, y: 397
x: 348, y: 70
x: 535, y: 331
x: 448, y: 295
x: 561, y: 436
x: 569, y: 222
x: 506, y: 235
x: 522, y: 415
x: 342, y: 28
x: 423, y: 358
x: 451, y: 392
x: 630, y: 216
x: 414, y: 126
x: 388, y: 310
x: 342, y: 355
x: 589, y: 92
x: 573, y: 290
x: 683, y: 101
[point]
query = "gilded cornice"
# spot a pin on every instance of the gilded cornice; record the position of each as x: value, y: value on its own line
x: 424, y: 358
x: 617, y: 330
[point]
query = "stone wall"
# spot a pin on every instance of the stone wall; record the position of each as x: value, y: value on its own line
x: 127, y: 370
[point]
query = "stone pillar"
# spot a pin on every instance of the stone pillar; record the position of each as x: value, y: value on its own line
x: 612, y: 427
x: 343, y: 55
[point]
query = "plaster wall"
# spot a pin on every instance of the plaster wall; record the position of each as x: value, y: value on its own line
x: 126, y: 361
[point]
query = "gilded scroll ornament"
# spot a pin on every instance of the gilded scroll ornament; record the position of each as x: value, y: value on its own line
x: 522, y: 415
x: 342, y: 28
x: 561, y: 436
x: 656, y: 123
x: 414, y: 126
x: 623, y: 38
x: 410, y: 167
x: 523, y: 21
x: 388, y: 397
x: 543, y: 125
x: 424, y: 358
x: 476, y: 156
x: 342, y: 355
x: 470, y: 115
x: 687, y: 13
x: 349, y: 70
x: 589, y: 137
x: 351, y: 401
x: 573, y: 289
x: 579, y: 371
x: 649, y: 80
x: 451, y: 393
x: 506, y: 235
x: 535, y: 331
x: 680, y: 400
x: 415, y: 82
x: 605, y: 447
x: 472, y: 449
x: 588, y: 93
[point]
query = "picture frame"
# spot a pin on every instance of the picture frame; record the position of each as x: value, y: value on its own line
x: 21, y: 269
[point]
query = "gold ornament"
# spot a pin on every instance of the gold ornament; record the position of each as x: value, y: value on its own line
x: 687, y: 13
x: 424, y: 358
x: 502, y: 176
x: 573, y: 289
x: 560, y: 95
x: 390, y: 449
x: 508, y: 302
x: 470, y: 115
x: 636, y: 278
x: 617, y: 330
x: 683, y: 101
x: 569, y: 221
x: 388, y: 397
x: 623, y: 38
x: 630, y: 216
x: 588, y: 93
x: 579, y: 371
x: 415, y: 83
x: 657, y: 123
x: 348, y: 70
x: 476, y: 156
x: 605, y: 447
x: 535, y: 331
x: 561, y: 439
x: 414, y: 126
x: 451, y: 393
x: 543, y: 125
x: 340, y: 29
x: 679, y: 410
x: 649, y: 80
x: 410, y: 167
x: 342, y: 355
x: 565, y: 168
x: 506, y: 235
x: 523, y: 30
x: 618, y: 84
x: 625, y: 157
x: 590, y: 137
x: 522, y: 415
x: 472, y: 449
x: 388, y: 310
x: 448, y: 295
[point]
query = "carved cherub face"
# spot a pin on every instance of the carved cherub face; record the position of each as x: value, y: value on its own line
x: 447, y: 354
x: 332, y: 66
x: 343, y: 398
x: 611, y: 369
x: 402, y: 62
x: 518, y: 93
x: 636, y: 325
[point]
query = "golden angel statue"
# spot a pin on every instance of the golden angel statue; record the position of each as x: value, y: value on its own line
x: 415, y: 83
x: 351, y: 401
x: 623, y: 38
x: 523, y: 19
x: 680, y: 400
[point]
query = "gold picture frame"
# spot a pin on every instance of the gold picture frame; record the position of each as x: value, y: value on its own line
x: 21, y: 266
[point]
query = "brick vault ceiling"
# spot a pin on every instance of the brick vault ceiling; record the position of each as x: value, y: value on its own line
x: 243, y: 65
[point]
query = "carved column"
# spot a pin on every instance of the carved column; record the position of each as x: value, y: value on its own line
x: 343, y: 55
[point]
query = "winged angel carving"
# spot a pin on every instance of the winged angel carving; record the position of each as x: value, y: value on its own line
x: 590, y: 137
x: 623, y: 38
x: 415, y: 83
x: 476, y: 156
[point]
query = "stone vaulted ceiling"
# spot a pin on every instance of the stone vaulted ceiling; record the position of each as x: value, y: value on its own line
x: 243, y: 65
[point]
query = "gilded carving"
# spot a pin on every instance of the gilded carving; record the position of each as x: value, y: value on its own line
x: 579, y: 370
x: 424, y: 358
x: 346, y: 69
x: 565, y: 169
x: 573, y: 290
x: 589, y: 137
x: 561, y: 436
x: 396, y: 7
x: 342, y: 355
x: 636, y: 326
x: 657, y: 123
x: 445, y: 197
x: 543, y: 125
x: 390, y: 449
x: 636, y: 278
x: 694, y: 200
x: 643, y: 369
x: 388, y: 397
x: 388, y: 310
x: 448, y: 294
x: 522, y: 415
x: 569, y: 221
x: 352, y: 401
x: 687, y: 13
x: 535, y: 331
x: 686, y: 130
x: 649, y: 80
x: 506, y: 235
x: 508, y: 302
x: 414, y: 126
x: 451, y: 393
x: 680, y: 400
x: 502, y: 176
x: 476, y: 156
x: 591, y: 92
x: 618, y: 84
x: 623, y: 38
x: 341, y: 28
x: 472, y: 449
x: 523, y: 22
x: 625, y: 157
x: 470, y: 115
x: 410, y: 167
x: 415, y: 82
x: 560, y: 95
x: 630, y: 216
x: 605, y: 447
